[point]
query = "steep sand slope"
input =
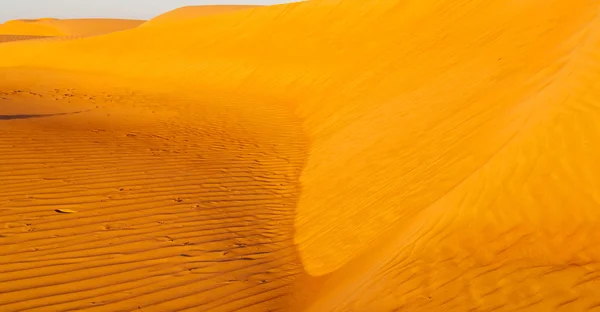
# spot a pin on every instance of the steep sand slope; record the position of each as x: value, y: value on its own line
x: 194, y: 11
x: 452, y: 161
x: 67, y: 27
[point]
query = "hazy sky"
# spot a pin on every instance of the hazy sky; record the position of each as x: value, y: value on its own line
x: 137, y: 9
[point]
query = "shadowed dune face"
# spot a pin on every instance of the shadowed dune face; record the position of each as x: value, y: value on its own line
x: 178, y: 205
x: 452, y: 162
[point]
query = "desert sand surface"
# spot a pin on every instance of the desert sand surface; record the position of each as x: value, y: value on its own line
x: 40, y: 27
x: 195, y: 11
x: 337, y: 155
x: 9, y: 38
x: 66, y: 27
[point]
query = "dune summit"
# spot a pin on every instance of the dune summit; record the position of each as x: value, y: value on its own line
x: 66, y: 27
x: 30, y: 28
x: 305, y: 157
x: 190, y: 12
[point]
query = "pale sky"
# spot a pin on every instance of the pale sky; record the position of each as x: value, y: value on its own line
x: 135, y: 9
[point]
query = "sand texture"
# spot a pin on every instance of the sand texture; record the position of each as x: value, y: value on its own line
x: 337, y: 155
x: 10, y: 38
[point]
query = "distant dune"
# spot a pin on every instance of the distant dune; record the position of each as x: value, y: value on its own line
x: 29, y: 28
x: 189, y: 12
x: 92, y: 27
x: 318, y: 156
x: 66, y: 27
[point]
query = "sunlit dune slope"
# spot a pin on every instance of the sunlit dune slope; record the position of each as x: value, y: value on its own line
x: 453, y: 145
x: 189, y: 12
x: 94, y: 26
x: 29, y: 28
x: 66, y: 27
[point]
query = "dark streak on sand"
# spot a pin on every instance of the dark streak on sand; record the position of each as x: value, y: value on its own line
x: 27, y: 116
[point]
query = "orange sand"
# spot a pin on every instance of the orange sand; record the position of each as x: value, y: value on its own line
x: 318, y: 156
x: 190, y: 12
x: 66, y: 27
x: 9, y: 38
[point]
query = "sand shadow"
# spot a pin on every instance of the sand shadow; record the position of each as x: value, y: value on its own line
x: 27, y: 116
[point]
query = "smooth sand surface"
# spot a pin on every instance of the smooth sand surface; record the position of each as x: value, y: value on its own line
x: 195, y: 11
x: 66, y: 27
x: 30, y: 28
x: 317, y: 156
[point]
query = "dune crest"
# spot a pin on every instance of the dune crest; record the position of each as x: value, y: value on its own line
x: 447, y: 165
x: 29, y: 28
x: 194, y: 11
x: 66, y: 27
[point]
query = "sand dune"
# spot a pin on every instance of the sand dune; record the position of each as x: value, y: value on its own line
x: 10, y: 38
x: 29, y: 28
x: 305, y: 157
x: 93, y: 27
x: 194, y: 11
x: 170, y: 204
x: 66, y: 27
